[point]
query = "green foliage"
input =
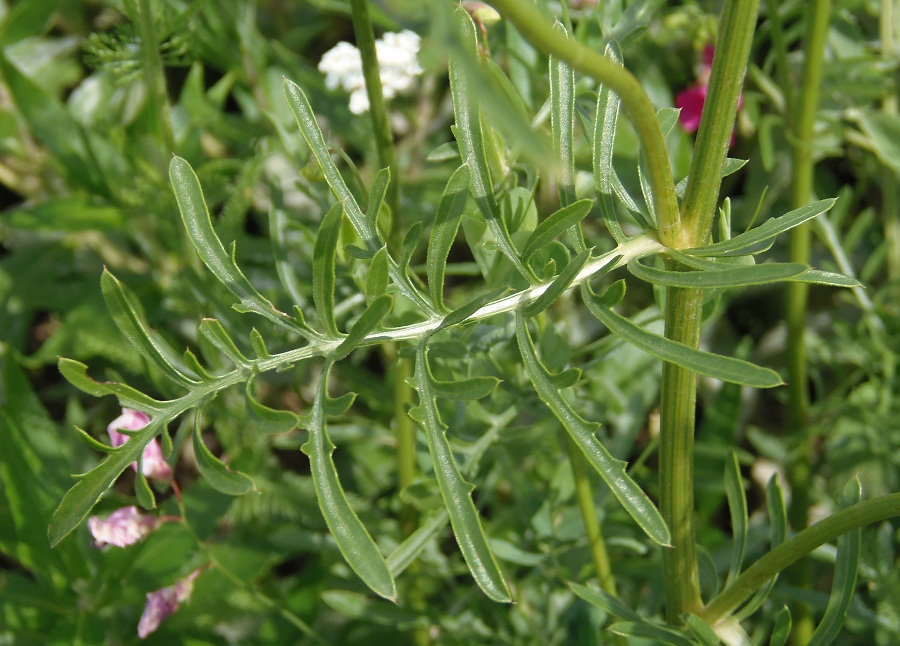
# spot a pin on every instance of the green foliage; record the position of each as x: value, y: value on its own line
x: 282, y: 282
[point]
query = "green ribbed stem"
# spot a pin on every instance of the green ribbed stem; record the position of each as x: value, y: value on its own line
x: 803, y: 166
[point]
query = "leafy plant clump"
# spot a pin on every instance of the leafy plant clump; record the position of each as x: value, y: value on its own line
x: 489, y: 307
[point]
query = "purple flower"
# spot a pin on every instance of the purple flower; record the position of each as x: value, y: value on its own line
x: 121, y: 528
x: 153, y: 463
x: 164, y: 602
x: 691, y: 100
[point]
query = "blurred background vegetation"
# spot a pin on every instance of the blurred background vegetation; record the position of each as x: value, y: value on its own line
x: 96, y: 96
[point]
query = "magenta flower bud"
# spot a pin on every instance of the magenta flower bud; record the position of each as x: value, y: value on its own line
x: 154, y: 464
x: 121, y: 528
x: 164, y: 602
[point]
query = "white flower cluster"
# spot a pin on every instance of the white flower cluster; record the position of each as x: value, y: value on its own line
x: 397, y: 63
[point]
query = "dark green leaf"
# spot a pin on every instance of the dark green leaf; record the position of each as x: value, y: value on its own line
x: 129, y: 318
x: 443, y: 232
x: 465, y: 389
x: 556, y: 224
x: 199, y: 226
x: 455, y: 491
x: 657, y: 634
x: 80, y: 499
x: 736, y: 276
x: 737, y: 506
x: 756, y: 238
x: 216, y: 334
x: 268, y: 419
x: 218, y: 474
x: 460, y: 314
x: 604, y: 143
x: 470, y: 135
x: 843, y: 585
x: 352, y: 539
x: 377, y: 278
x: 605, y: 602
x: 324, y: 255
x: 410, y: 242
x: 76, y: 374
x: 613, y: 472
x: 782, y: 629
x: 366, y: 323
x: 559, y: 285
x: 376, y: 195
x: 700, y: 630
x: 705, y: 363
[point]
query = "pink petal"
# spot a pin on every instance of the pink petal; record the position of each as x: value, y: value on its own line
x: 164, y: 602
x: 154, y: 464
x: 121, y: 528
x: 691, y: 103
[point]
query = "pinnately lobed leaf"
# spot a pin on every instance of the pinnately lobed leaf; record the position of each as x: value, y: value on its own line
x: 455, y: 491
x: 80, y: 499
x: 198, y: 224
x: 613, y: 472
x: 354, y: 542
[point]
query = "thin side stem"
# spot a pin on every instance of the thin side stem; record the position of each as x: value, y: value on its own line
x: 775, y: 561
x: 803, y: 168
x: 384, y: 142
x: 678, y: 400
x: 155, y: 79
x: 537, y: 30
x: 585, y: 496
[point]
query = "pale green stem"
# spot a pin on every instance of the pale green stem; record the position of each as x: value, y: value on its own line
x: 800, y: 545
x: 539, y: 32
x: 684, y: 308
x: 803, y: 167
x: 890, y: 206
x: 154, y: 75
x: 678, y: 401
x: 384, y: 143
x: 585, y: 495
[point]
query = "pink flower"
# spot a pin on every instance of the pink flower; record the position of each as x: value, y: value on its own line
x: 164, y: 602
x: 121, y: 528
x: 153, y: 463
x: 691, y: 100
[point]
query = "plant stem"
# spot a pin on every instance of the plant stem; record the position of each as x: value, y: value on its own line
x: 678, y: 400
x: 155, y: 79
x: 890, y: 206
x: 585, y: 495
x: 536, y: 30
x: 775, y: 561
x: 384, y: 142
x: 684, y: 308
x: 802, y: 163
x: 717, y: 122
